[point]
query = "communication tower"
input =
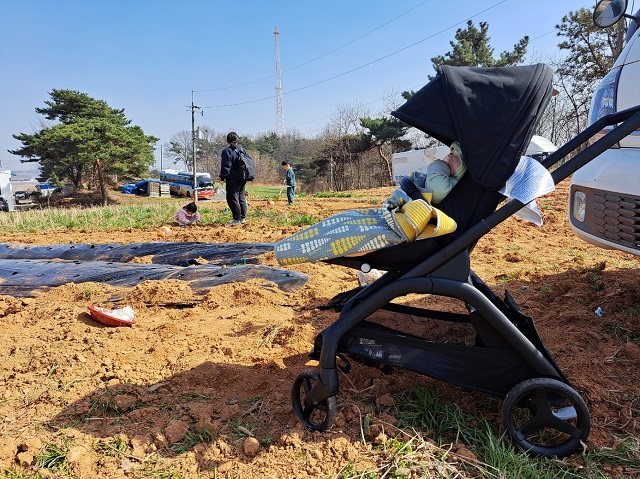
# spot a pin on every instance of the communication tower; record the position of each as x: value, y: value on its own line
x: 279, y: 104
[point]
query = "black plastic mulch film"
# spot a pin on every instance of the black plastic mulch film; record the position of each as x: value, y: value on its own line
x: 25, y: 269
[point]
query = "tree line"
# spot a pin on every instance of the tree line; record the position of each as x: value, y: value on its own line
x: 90, y: 144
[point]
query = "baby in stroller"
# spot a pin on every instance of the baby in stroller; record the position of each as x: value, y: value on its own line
x: 541, y: 412
x: 442, y: 175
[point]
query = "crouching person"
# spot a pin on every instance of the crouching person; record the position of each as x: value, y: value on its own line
x: 188, y: 215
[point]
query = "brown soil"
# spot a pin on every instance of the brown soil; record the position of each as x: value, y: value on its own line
x: 225, y: 363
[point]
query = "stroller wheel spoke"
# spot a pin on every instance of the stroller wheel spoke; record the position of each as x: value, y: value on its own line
x: 546, y: 417
x: 307, y: 385
x: 316, y: 415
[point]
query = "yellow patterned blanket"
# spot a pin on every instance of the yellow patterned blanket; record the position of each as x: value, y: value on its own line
x: 356, y: 232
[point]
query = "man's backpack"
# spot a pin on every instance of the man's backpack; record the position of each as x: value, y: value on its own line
x: 243, y: 168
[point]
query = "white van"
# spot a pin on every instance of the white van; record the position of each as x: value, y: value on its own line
x: 604, y: 195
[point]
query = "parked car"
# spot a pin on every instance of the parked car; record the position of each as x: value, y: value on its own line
x: 22, y: 197
x: 4, y: 206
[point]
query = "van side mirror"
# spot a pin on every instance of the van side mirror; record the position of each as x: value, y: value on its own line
x: 609, y: 12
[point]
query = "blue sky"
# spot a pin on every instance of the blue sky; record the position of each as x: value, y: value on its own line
x: 148, y: 56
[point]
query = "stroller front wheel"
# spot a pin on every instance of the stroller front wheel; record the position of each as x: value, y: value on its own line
x: 546, y: 417
x: 315, y: 417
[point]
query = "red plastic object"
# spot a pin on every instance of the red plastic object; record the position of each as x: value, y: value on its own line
x: 104, y: 316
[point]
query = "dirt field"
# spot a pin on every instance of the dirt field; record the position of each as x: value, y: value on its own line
x: 200, y: 385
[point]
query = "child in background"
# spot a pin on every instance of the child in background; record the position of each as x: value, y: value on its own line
x: 187, y: 215
x: 290, y: 181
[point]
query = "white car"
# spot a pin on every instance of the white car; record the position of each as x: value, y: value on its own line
x: 604, y: 195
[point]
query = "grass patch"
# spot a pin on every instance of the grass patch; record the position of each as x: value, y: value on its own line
x: 90, y: 291
x: 103, y: 403
x: 409, y: 456
x: 544, y: 289
x: 302, y: 220
x: 625, y: 455
x: 55, y: 458
x: 95, y: 217
x: 262, y: 192
x: 18, y: 474
x: 505, y: 278
x: 195, y: 395
x: 153, y: 470
x: 190, y: 439
x: 595, y: 280
x: 112, y: 446
x: 149, y: 214
x: 119, y: 217
x: 335, y: 194
x: 167, y: 473
x: 423, y: 411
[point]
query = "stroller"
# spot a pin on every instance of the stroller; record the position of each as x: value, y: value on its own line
x: 540, y: 411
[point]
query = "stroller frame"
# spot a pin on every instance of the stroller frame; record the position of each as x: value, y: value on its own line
x: 530, y: 379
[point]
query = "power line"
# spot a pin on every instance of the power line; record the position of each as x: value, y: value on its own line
x: 358, y: 38
x: 320, y: 56
x: 367, y: 103
x: 361, y: 66
x: 540, y: 36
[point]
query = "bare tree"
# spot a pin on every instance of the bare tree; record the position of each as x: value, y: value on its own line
x: 179, y: 150
x: 346, y: 120
x: 209, y: 144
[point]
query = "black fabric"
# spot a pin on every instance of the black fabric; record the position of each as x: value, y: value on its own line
x: 27, y: 277
x: 178, y: 253
x: 243, y: 167
x: 492, y: 112
x: 236, y: 198
x: 494, y: 371
x: 227, y: 157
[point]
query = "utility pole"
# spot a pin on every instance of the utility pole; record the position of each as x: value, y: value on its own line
x: 193, y: 144
x: 279, y: 103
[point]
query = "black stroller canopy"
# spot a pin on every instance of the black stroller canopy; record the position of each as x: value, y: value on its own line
x: 492, y: 112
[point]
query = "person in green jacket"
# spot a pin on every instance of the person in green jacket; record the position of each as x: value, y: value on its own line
x: 290, y: 181
x: 443, y: 175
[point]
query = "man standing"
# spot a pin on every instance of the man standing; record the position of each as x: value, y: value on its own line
x: 236, y: 198
x: 290, y: 180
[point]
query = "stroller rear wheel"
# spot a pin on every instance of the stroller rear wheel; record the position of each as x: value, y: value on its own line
x: 315, y: 417
x: 546, y: 417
